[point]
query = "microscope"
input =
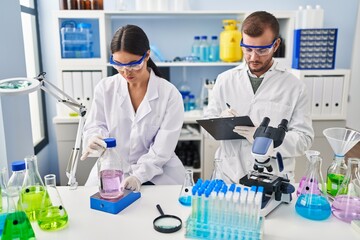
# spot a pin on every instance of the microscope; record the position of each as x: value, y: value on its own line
x: 277, y: 189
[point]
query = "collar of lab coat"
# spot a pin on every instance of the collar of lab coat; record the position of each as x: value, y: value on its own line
x: 151, y: 94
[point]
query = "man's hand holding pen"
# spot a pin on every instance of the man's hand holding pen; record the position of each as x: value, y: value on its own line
x: 229, y: 112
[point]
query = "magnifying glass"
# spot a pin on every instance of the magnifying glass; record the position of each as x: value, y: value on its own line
x: 166, y: 223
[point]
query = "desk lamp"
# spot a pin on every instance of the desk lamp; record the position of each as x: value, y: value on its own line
x: 17, y: 86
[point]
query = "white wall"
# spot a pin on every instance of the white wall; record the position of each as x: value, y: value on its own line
x: 15, y: 127
x: 353, y: 117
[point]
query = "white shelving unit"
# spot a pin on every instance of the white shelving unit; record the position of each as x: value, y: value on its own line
x: 185, y: 25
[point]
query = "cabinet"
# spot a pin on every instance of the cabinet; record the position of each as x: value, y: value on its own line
x: 171, y: 33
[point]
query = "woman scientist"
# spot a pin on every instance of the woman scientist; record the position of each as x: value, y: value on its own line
x: 143, y: 111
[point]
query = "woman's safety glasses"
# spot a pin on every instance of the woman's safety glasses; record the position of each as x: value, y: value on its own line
x: 132, y: 66
x: 259, y: 50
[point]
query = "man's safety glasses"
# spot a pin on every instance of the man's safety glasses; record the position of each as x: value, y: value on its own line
x: 259, y: 50
x: 133, y: 66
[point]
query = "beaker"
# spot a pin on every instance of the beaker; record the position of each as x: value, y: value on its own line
x: 312, y: 202
x: 185, y: 193
x: 341, y: 141
x: 346, y: 205
x: 53, y: 217
x: 304, y: 181
x: 33, y: 190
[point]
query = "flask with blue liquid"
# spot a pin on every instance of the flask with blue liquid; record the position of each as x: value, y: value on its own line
x: 186, y: 189
x: 313, y: 203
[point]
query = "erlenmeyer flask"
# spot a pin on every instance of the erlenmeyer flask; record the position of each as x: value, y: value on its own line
x: 341, y: 141
x: 312, y: 202
x: 217, y: 172
x: 303, y: 181
x: 17, y: 224
x: 185, y: 193
x: 53, y: 217
x: 346, y: 205
x: 33, y: 189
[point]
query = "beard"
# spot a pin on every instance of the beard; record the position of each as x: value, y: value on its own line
x: 260, y: 67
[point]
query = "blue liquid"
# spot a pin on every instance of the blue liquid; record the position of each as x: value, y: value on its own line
x: 314, y: 207
x: 185, y: 200
x: 2, y: 222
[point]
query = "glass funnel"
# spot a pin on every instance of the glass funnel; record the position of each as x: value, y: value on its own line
x: 304, y: 181
x: 341, y: 141
x: 185, y: 193
x: 33, y: 189
x: 346, y: 205
x: 52, y: 217
x: 312, y: 202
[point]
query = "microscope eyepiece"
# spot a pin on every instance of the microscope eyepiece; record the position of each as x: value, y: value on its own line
x: 265, y: 122
x: 283, y: 124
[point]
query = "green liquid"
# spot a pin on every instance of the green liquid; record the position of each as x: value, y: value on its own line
x: 17, y: 226
x: 333, y: 183
x: 52, y: 218
x: 33, y: 199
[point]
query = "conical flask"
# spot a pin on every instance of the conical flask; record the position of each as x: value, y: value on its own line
x: 53, y: 217
x: 304, y: 181
x: 346, y: 205
x: 218, y: 173
x: 33, y: 190
x: 16, y: 223
x: 185, y: 193
x: 312, y: 202
x: 341, y: 141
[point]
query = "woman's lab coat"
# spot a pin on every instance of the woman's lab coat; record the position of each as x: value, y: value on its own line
x: 280, y: 96
x: 145, y: 140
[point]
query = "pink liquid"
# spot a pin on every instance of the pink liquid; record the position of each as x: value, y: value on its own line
x: 346, y: 208
x: 308, y: 186
x: 110, y: 184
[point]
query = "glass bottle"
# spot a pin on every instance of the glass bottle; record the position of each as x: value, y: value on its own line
x: 347, y: 201
x: 185, y: 193
x: 214, y: 49
x: 110, y: 171
x: 204, y: 49
x: 195, y: 48
x: 312, y: 202
x: 16, y: 180
x: 53, y: 217
x: 33, y: 190
x: 303, y: 182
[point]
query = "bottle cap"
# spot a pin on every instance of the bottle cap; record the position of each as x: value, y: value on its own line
x: 83, y: 25
x: 18, y: 165
x: 110, y: 142
x: 214, y: 37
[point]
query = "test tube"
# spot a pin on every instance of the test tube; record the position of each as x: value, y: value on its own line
x: 250, y: 207
x: 258, y: 201
x: 243, y: 198
x: 236, y: 197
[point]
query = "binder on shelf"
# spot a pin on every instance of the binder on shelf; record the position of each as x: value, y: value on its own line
x: 78, y: 87
x: 96, y: 77
x: 309, y: 85
x: 317, y: 96
x: 67, y: 87
x: 327, y: 95
x: 337, y: 95
x: 87, y: 89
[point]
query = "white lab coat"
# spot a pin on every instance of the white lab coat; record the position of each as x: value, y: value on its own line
x: 280, y: 95
x: 145, y: 140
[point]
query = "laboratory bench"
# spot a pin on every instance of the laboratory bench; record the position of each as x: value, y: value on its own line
x: 136, y: 221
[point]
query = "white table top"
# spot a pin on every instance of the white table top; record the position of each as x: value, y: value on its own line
x: 136, y: 221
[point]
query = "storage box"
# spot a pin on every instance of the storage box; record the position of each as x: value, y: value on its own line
x: 314, y: 48
x: 113, y: 206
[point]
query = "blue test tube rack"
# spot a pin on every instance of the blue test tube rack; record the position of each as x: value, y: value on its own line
x: 225, y: 212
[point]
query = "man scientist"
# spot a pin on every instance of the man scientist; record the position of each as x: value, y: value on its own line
x: 259, y: 88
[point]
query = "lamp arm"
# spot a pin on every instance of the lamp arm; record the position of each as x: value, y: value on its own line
x: 64, y: 98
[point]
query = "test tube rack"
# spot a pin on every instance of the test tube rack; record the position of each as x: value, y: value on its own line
x: 219, y: 213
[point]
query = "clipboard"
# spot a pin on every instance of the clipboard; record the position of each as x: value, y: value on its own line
x: 222, y: 128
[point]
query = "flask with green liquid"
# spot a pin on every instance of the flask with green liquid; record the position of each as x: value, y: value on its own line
x: 33, y: 190
x: 52, y: 217
x: 335, y: 175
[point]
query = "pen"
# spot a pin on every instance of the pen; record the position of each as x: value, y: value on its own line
x: 228, y: 105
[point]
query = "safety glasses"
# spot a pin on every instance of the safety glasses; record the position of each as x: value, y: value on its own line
x: 258, y: 50
x: 133, y: 66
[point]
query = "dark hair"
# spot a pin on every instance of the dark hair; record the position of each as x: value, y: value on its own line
x: 255, y: 24
x: 132, y: 39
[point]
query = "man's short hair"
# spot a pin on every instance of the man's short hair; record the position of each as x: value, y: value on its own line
x: 255, y: 24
